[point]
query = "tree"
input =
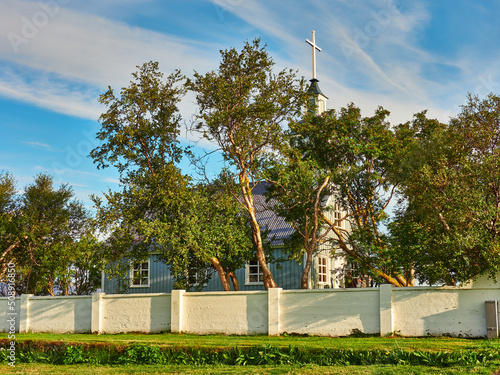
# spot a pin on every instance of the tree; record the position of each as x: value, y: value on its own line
x: 44, y: 229
x: 139, y: 134
x: 450, y: 216
x: 242, y: 106
x: 358, y: 156
x: 297, y: 191
x: 9, y: 236
x: 209, y: 228
x: 159, y: 207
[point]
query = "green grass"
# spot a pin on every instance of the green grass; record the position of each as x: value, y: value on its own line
x: 202, y: 370
x: 398, y: 347
x: 311, y: 342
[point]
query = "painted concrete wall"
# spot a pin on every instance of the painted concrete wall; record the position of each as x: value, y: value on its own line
x: 60, y: 314
x: 329, y: 313
x: 238, y: 313
x: 418, y: 311
x: 428, y: 311
x: 136, y: 313
x: 6, y: 313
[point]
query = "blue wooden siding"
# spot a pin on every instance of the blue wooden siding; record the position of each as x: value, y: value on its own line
x: 288, y: 277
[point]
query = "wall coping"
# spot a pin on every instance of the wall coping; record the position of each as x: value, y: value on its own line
x: 444, y: 288
x: 226, y: 293
x: 135, y: 295
x: 332, y: 290
x: 60, y: 297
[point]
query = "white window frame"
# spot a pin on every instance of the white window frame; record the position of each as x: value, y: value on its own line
x: 131, y: 274
x: 260, y: 275
x: 197, y: 277
x: 337, y: 216
x: 323, y: 270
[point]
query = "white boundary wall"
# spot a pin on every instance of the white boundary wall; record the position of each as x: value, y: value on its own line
x: 418, y: 311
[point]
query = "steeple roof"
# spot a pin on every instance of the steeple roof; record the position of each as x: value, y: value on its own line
x: 314, y: 88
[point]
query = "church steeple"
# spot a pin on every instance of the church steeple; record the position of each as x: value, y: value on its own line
x: 317, y: 98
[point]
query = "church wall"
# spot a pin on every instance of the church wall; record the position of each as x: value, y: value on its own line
x: 161, y: 281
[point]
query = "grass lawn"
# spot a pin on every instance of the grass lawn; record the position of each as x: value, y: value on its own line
x: 311, y: 342
x: 188, y: 341
x: 202, y: 370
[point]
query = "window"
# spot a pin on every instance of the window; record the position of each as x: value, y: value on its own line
x: 322, y: 269
x: 254, y: 273
x: 356, y: 278
x: 321, y: 106
x: 198, y: 276
x: 139, y: 274
x: 337, y: 216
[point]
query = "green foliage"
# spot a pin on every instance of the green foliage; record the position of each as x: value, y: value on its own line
x: 9, y: 232
x: 73, y: 354
x: 139, y: 137
x: 297, y: 191
x: 242, y: 107
x: 193, y: 227
x: 358, y: 155
x: 208, y: 229
x: 60, y: 353
x: 243, y: 104
x: 141, y: 126
x: 45, y: 233
x: 449, y: 219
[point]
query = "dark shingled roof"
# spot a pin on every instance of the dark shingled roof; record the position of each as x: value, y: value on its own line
x: 314, y: 88
x: 278, y: 228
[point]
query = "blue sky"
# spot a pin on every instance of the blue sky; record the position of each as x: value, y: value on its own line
x: 57, y: 56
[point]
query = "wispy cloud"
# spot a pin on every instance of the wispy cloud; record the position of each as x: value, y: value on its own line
x: 40, y: 146
x: 111, y: 180
x: 371, y: 50
x: 76, y: 55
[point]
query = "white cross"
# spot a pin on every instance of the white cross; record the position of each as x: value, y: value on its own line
x: 314, y: 47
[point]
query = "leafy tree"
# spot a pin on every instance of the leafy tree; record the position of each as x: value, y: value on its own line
x: 450, y: 219
x: 159, y: 207
x: 44, y: 229
x: 242, y: 106
x: 9, y: 238
x: 297, y: 192
x: 139, y: 134
x: 358, y: 156
x: 209, y: 228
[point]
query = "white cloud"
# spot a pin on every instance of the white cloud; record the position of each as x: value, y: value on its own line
x: 74, y: 48
x: 41, y: 146
x: 382, y: 63
x: 72, y: 57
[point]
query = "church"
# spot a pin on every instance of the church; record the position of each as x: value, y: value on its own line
x: 153, y: 276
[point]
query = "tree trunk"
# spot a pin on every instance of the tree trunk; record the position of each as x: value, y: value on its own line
x: 234, y: 280
x: 305, y: 274
x: 256, y: 235
x: 4, y: 265
x: 222, y: 274
x: 347, y: 250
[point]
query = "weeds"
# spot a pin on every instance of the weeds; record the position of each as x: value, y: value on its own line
x: 67, y: 354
